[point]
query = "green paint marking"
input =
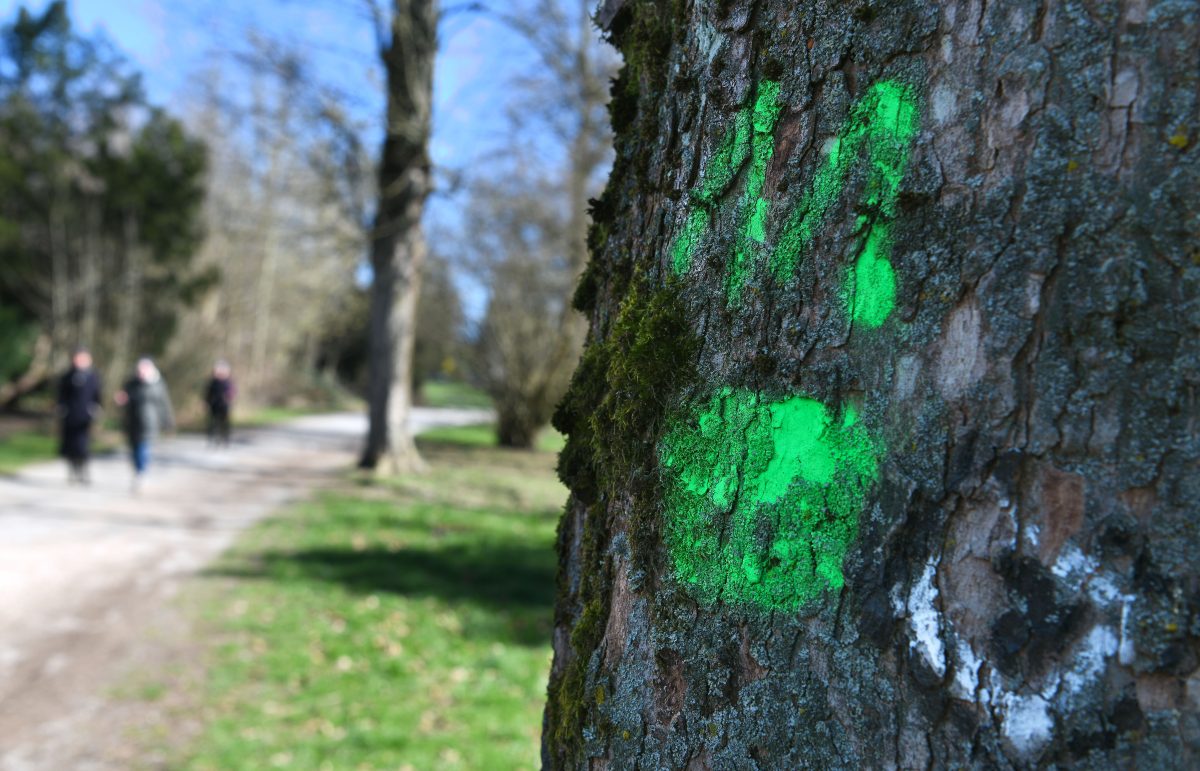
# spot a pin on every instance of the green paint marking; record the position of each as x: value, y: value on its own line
x: 882, y: 124
x: 689, y: 240
x: 765, y: 497
x: 872, y: 286
x: 749, y: 139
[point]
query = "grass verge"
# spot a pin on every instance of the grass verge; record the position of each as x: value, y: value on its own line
x: 20, y: 448
x: 452, y: 394
x: 484, y: 435
x: 35, y: 440
x: 400, y: 624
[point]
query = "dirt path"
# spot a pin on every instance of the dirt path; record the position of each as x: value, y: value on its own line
x: 86, y: 574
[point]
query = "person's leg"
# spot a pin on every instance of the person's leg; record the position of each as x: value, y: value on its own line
x: 141, y: 458
x: 65, y: 450
x: 84, y: 455
x: 225, y: 427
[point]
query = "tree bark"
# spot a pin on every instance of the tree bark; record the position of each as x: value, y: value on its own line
x: 398, y: 248
x: 883, y: 448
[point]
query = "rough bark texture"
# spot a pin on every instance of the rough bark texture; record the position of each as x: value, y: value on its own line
x: 398, y: 246
x: 883, y: 450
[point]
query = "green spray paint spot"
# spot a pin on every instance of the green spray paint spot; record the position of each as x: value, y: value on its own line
x: 871, y: 288
x: 749, y: 139
x: 764, y: 497
x: 688, y: 241
x: 882, y: 124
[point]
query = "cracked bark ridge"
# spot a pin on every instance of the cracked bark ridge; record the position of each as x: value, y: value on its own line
x: 1023, y: 589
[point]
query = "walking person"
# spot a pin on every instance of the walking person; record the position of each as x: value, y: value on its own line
x: 147, y: 413
x: 78, y: 406
x: 219, y: 398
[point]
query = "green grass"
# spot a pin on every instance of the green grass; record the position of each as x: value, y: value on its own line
x: 269, y: 416
x: 484, y: 435
x: 452, y: 394
x: 21, y: 448
x: 400, y: 624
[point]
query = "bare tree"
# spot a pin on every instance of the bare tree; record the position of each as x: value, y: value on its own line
x: 529, y: 337
x: 528, y: 225
x: 283, y: 221
x: 398, y: 242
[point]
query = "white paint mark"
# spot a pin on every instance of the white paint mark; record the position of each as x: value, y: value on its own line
x: 966, y: 673
x: 1087, y: 663
x: 1027, y: 722
x: 947, y: 49
x: 1073, y: 566
x: 1104, y: 592
x: 924, y: 620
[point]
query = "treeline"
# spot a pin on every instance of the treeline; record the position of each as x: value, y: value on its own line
x: 230, y: 230
x: 100, y: 206
x: 239, y: 226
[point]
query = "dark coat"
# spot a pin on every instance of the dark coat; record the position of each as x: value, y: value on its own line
x: 148, y: 410
x: 78, y: 405
x: 219, y: 396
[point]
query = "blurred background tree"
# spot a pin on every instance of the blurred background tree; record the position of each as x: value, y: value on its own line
x: 100, y: 197
x: 527, y: 216
x: 264, y: 188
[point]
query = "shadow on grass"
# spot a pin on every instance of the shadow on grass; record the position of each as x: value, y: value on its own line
x: 513, y: 582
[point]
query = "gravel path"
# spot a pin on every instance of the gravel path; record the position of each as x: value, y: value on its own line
x: 86, y: 574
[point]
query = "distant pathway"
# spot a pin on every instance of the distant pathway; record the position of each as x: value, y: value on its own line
x: 86, y: 573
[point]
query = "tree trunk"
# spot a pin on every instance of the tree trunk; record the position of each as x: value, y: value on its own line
x: 883, y: 449
x: 91, y: 257
x: 57, y: 242
x: 398, y: 247
x: 40, y: 368
x: 516, y: 425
